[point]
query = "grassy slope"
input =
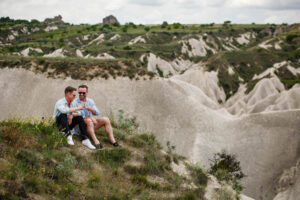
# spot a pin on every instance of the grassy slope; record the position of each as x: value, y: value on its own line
x: 36, y: 162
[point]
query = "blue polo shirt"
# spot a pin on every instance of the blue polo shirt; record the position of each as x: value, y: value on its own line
x: 89, y: 103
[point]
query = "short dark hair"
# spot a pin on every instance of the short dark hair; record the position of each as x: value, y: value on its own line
x: 69, y: 89
x: 83, y: 86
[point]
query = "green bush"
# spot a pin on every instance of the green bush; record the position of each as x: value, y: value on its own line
x: 142, y: 180
x: 225, y: 167
x: 65, y: 169
x: 223, y: 194
x: 155, y: 163
x: 142, y: 170
x: 114, y: 157
x: 144, y: 140
x: 198, y: 175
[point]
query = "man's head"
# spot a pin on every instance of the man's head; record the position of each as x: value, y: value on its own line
x: 70, y: 93
x: 82, y: 91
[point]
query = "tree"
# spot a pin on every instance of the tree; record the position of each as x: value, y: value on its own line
x: 164, y: 24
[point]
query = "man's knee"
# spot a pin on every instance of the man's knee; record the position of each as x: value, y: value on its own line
x: 106, y: 120
x: 88, y: 121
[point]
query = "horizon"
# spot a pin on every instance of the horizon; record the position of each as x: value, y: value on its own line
x: 157, y: 11
x: 188, y: 24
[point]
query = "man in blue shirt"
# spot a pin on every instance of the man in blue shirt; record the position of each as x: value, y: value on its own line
x: 93, y: 124
x: 66, y: 116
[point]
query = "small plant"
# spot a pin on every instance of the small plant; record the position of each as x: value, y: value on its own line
x: 142, y: 180
x: 114, y: 157
x: 65, y: 168
x: 226, y: 168
x: 223, y: 194
x: 125, y: 122
x: 127, y: 47
x: 136, y: 170
x: 155, y: 163
x: 198, y: 175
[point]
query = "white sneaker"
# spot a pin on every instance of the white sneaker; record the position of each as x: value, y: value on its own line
x: 70, y: 140
x: 88, y: 144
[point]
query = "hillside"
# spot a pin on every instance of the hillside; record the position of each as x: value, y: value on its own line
x: 37, y: 163
x: 239, y: 53
x: 204, y: 88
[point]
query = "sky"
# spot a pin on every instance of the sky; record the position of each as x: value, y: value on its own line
x: 156, y: 11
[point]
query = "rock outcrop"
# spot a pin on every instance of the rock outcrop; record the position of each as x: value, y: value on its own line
x: 54, y: 20
x: 110, y: 20
x: 179, y: 110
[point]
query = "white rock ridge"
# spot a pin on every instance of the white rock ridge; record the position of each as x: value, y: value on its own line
x: 56, y: 53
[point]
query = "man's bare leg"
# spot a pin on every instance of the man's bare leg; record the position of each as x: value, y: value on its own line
x: 90, y: 129
x: 104, y: 121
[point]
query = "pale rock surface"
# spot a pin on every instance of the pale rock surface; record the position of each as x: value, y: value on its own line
x: 99, y: 39
x: 50, y: 28
x: 198, y: 47
x: 288, y: 185
x: 270, y: 71
x: 15, y: 33
x: 11, y: 37
x: 105, y: 56
x: 25, y: 52
x: 86, y: 37
x: 79, y: 53
x: 172, y: 67
x: 207, y: 82
x: 227, y: 43
x: 230, y: 70
x: 244, y: 38
x: 265, y: 44
x: 136, y: 40
x: 277, y: 46
x: 35, y: 29
x: 24, y: 30
x: 56, y: 53
x: 294, y: 71
x: 182, y: 113
x: 214, y: 185
x: 101, y: 56
x: 115, y: 37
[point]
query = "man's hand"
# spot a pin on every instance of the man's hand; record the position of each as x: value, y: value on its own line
x: 81, y: 107
x: 89, y: 108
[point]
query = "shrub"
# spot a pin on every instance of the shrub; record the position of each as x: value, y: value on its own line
x: 142, y: 180
x: 198, y: 175
x: 225, y: 167
x: 290, y: 37
x: 65, y: 169
x: 114, y: 157
x: 142, y: 170
x: 155, y: 163
x: 124, y: 122
x: 147, y: 29
x: 223, y: 194
x: 187, y: 196
x: 144, y: 140
x: 127, y: 47
x: 164, y: 24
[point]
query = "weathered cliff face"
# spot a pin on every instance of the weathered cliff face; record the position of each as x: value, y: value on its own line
x: 181, y: 110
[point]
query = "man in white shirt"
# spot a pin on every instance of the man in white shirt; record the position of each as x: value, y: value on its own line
x: 93, y: 124
x: 66, y: 117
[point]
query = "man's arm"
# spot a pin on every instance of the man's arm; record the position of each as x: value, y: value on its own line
x: 76, y: 113
x: 92, y: 108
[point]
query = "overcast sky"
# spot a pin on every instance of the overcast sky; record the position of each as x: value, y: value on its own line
x: 156, y: 11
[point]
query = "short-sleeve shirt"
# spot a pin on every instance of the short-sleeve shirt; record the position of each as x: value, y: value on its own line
x: 89, y: 103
